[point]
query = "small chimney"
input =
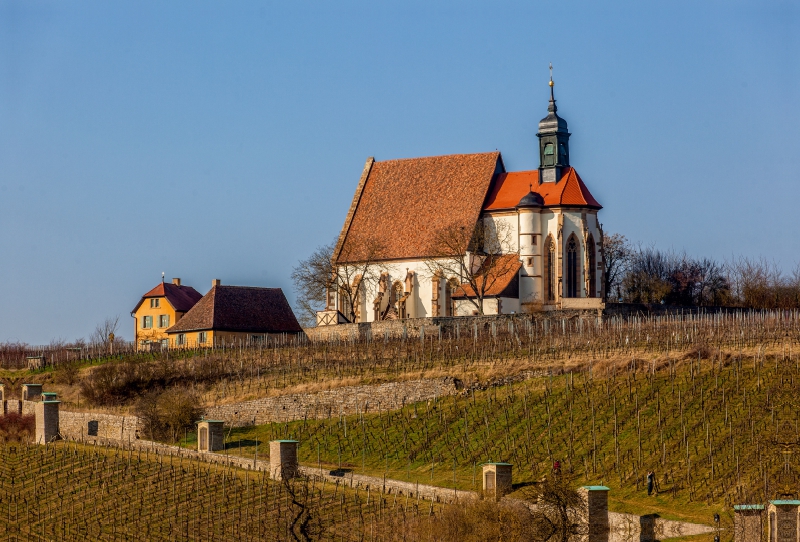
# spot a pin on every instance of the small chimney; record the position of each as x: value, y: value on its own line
x: 215, y: 282
x: 176, y: 282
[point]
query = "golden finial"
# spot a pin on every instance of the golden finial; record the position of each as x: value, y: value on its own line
x: 551, y: 74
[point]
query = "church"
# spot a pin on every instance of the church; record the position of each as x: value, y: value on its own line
x: 459, y: 235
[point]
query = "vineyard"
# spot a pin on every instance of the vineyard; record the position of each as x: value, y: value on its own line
x: 468, y: 351
x: 69, y: 491
x: 704, y: 400
x: 714, y: 421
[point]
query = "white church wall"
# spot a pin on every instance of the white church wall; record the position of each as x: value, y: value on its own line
x: 507, y: 224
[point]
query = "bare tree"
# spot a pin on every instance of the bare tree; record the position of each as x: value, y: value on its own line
x: 323, y: 274
x: 479, y: 259
x: 105, y: 333
x: 616, y: 257
x: 311, y: 279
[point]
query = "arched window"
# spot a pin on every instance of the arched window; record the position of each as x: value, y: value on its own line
x: 592, y: 265
x: 549, y: 155
x: 549, y: 270
x: 563, y: 159
x: 572, y: 267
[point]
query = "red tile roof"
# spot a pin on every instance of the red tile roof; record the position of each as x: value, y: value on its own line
x: 240, y: 308
x: 402, y: 204
x: 182, y: 298
x: 509, y: 188
x: 505, y: 277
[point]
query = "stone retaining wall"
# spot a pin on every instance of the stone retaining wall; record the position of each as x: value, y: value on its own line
x: 446, y: 325
x: 331, y: 403
x: 92, y: 425
x: 348, y: 479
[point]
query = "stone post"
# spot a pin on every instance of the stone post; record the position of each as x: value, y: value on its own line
x: 748, y: 522
x: 282, y: 459
x: 210, y: 436
x: 783, y: 521
x: 31, y: 392
x: 595, y: 511
x: 496, y: 479
x: 46, y: 413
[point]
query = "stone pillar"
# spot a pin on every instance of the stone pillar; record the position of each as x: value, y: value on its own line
x: 282, y: 459
x: 210, y: 436
x: 46, y: 421
x: 31, y: 392
x: 748, y: 522
x: 783, y: 521
x: 496, y: 479
x: 595, y: 511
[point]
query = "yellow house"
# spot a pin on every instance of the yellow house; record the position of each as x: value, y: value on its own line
x: 159, y: 309
x: 234, y: 315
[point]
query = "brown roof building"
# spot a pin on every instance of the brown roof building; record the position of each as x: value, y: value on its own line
x: 402, y: 209
x: 233, y: 315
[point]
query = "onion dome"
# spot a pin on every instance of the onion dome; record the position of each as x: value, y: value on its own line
x: 531, y: 199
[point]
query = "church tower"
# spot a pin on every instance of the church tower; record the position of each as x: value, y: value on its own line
x: 553, y: 142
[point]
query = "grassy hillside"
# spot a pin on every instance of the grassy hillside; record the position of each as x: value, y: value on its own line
x: 712, y: 425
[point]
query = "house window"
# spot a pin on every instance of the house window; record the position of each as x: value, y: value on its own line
x: 164, y: 343
x: 147, y: 322
x: 155, y: 303
x: 163, y: 320
x: 180, y: 340
x: 201, y: 337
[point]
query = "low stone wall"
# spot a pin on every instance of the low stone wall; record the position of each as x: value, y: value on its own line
x: 331, y: 403
x: 89, y: 426
x: 348, y: 479
x: 28, y: 408
x: 387, y: 485
x: 449, y: 325
x: 465, y: 325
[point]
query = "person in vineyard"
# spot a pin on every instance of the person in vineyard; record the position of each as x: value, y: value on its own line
x: 556, y: 467
x: 651, y: 479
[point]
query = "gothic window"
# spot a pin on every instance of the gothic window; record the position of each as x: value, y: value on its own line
x: 549, y: 155
x: 549, y: 270
x: 572, y: 267
x: 562, y: 154
x: 592, y: 266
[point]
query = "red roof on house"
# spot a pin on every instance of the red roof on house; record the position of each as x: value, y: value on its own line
x: 182, y: 298
x: 509, y: 188
x: 402, y: 204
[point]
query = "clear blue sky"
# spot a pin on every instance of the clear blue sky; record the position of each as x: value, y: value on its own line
x: 225, y: 139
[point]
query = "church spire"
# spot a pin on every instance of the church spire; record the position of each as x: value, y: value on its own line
x: 553, y: 141
x: 552, y: 107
